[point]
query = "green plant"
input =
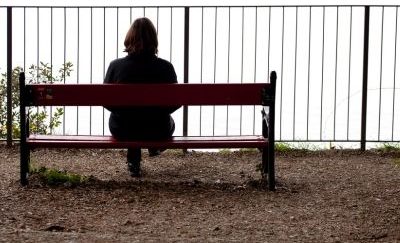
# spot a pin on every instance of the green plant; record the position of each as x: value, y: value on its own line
x: 396, y: 162
x: 389, y: 147
x: 249, y: 150
x: 54, y: 177
x: 225, y: 151
x: 283, y: 147
x: 41, y: 120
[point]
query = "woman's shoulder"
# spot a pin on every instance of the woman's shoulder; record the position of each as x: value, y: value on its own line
x: 118, y: 61
x: 164, y: 62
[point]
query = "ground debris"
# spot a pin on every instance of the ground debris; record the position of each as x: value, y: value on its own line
x: 201, y: 197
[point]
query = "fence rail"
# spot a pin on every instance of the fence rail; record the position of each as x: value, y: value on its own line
x: 332, y: 87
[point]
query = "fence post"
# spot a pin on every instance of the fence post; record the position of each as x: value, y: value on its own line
x: 365, y: 80
x: 186, y: 69
x: 9, y: 76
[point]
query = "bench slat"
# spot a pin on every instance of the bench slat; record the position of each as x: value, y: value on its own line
x: 144, y: 94
x: 54, y: 141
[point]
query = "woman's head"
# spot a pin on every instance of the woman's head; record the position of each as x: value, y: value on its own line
x: 141, y: 37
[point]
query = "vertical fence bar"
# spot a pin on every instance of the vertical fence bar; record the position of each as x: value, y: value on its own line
x: 77, y: 69
x: 130, y: 18
x: 229, y: 65
x: 394, y: 71
x: 51, y: 61
x: 308, y: 71
x: 269, y: 39
x: 380, y: 75
x: 365, y: 80
x: 336, y: 73
x: 117, y: 46
x: 295, y: 75
x: 9, y: 76
x: 104, y: 57
x: 322, y: 71
x: 241, y: 72
x: 38, y: 56
x: 282, y: 51
x: 255, y: 66
x: 91, y: 66
x: 158, y: 16
x: 170, y: 37
x: 215, y: 60
x: 65, y: 53
x: 348, y: 89
x: 25, y: 40
x: 38, y: 50
x: 201, y: 61
x: 186, y: 67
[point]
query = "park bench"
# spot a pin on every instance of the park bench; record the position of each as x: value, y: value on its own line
x: 150, y: 95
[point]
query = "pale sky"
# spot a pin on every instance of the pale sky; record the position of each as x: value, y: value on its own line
x: 207, y: 65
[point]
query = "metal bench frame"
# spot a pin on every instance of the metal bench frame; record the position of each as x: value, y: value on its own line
x: 150, y: 95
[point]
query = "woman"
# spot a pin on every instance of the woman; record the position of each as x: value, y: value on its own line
x: 141, y: 65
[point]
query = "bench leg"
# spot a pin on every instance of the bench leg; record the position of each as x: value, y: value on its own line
x: 24, y: 165
x: 265, y: 150
x: 271, y: 171
x: 264, y: 165
x: 268, y: 168
x: 268, y: 156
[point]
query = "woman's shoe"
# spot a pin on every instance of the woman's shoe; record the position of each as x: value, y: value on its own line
x: 134, y: 169
x: 155, y: 152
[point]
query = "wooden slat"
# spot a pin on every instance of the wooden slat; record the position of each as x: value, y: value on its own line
x: 144, y: 94
x: 53, y: 141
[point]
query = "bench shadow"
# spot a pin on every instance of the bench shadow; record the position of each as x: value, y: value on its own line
x: 194, y: 185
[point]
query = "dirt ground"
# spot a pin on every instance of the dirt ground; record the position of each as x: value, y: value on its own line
x: 329, y: 196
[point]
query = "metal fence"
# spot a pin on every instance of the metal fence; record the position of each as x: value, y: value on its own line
x: 337, y: 65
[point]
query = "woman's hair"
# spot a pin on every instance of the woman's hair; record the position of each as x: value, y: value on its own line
x: 141, y: 37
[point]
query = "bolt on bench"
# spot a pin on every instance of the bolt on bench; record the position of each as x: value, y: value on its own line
x: 150, y: 95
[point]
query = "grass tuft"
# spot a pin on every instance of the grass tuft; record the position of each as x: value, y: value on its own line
x: 283, y: 147
x: 248, y: 150
x: 54, y: 177
x: 389, y: 147
x: 225, y: 151
x: 396, y: 162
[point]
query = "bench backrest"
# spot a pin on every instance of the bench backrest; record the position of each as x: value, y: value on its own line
x: 147, y: 94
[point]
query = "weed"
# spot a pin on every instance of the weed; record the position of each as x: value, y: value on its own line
x: 248, y: 150
x: 389, y: 147
x: 224, y: 151
x: 283, y: 147
x: 54, y: 177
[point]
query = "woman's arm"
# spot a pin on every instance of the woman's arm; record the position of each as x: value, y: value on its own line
x: 108, y: 79
x: 171, y: 77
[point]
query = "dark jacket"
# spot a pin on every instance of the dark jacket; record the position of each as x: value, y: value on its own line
x: 141, y: 122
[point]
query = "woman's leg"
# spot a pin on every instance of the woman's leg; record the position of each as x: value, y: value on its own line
x: 134, y: 156
x: 163, y: 135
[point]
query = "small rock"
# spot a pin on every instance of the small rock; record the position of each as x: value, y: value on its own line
x: 128, y: 222
x: 55, y: 228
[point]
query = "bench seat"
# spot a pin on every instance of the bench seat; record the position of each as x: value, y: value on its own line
x: 143, y: 95
x: 93, y: 141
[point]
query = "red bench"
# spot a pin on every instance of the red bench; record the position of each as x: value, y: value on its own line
x: 150, y: 94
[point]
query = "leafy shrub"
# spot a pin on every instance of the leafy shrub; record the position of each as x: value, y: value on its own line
x: 41, y: 120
